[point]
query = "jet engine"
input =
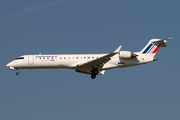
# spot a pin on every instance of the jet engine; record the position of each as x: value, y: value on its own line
x: 127, y: 54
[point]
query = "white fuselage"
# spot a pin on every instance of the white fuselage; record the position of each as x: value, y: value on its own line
x: 72, y: 61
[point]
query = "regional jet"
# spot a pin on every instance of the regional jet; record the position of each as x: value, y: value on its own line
x: 92, y: 64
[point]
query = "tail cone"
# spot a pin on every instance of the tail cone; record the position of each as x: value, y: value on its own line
x: 154, y: 59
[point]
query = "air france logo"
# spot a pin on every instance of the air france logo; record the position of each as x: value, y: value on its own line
x: 152, y: 48
x: 47, y: 57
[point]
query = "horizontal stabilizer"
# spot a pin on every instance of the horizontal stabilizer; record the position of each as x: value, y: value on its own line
x: 162, y: 41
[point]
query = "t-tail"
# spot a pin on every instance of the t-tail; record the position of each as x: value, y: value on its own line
x: 153, y: 45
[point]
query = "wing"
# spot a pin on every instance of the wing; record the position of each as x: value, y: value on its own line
x: 97, y: 63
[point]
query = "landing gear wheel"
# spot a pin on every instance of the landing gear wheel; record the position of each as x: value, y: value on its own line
x: 93, y: 76
x: 17, y: 72
x: 94, y: 73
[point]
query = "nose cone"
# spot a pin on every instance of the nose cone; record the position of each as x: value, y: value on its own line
x: 9, y: 65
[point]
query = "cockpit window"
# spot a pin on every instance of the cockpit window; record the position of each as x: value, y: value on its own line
x: 19, y: 58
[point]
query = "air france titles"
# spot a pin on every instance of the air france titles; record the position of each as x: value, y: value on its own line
x: 46, y: 57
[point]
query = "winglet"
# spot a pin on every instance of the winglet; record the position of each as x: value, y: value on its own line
x: 118, y: 49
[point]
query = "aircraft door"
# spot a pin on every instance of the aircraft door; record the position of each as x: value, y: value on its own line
x: 30, y: 59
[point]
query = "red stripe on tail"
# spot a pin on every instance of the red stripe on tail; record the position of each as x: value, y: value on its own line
x: 156, y: 49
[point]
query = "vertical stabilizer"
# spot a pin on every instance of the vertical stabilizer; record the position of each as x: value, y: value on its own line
x: 153, y: 45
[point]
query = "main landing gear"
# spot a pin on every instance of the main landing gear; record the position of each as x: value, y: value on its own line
x: 94, y: 73
x: 93, y: 76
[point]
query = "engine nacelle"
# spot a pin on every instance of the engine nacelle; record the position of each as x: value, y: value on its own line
x: 126, y: 54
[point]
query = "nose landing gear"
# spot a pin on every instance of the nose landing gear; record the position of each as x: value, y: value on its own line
x: 17, y: 72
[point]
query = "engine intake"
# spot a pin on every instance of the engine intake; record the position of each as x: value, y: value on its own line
x: 127, y: 54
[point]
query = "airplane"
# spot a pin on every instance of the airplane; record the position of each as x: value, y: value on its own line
x: 93, y: 64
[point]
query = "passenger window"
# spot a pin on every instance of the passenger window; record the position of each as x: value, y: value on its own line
x: 64, y: 57
x: 60, y: 57
x: 84, y: 57
x: 76, y: 57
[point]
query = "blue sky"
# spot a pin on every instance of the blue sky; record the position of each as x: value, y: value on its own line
x: 149, y: 91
